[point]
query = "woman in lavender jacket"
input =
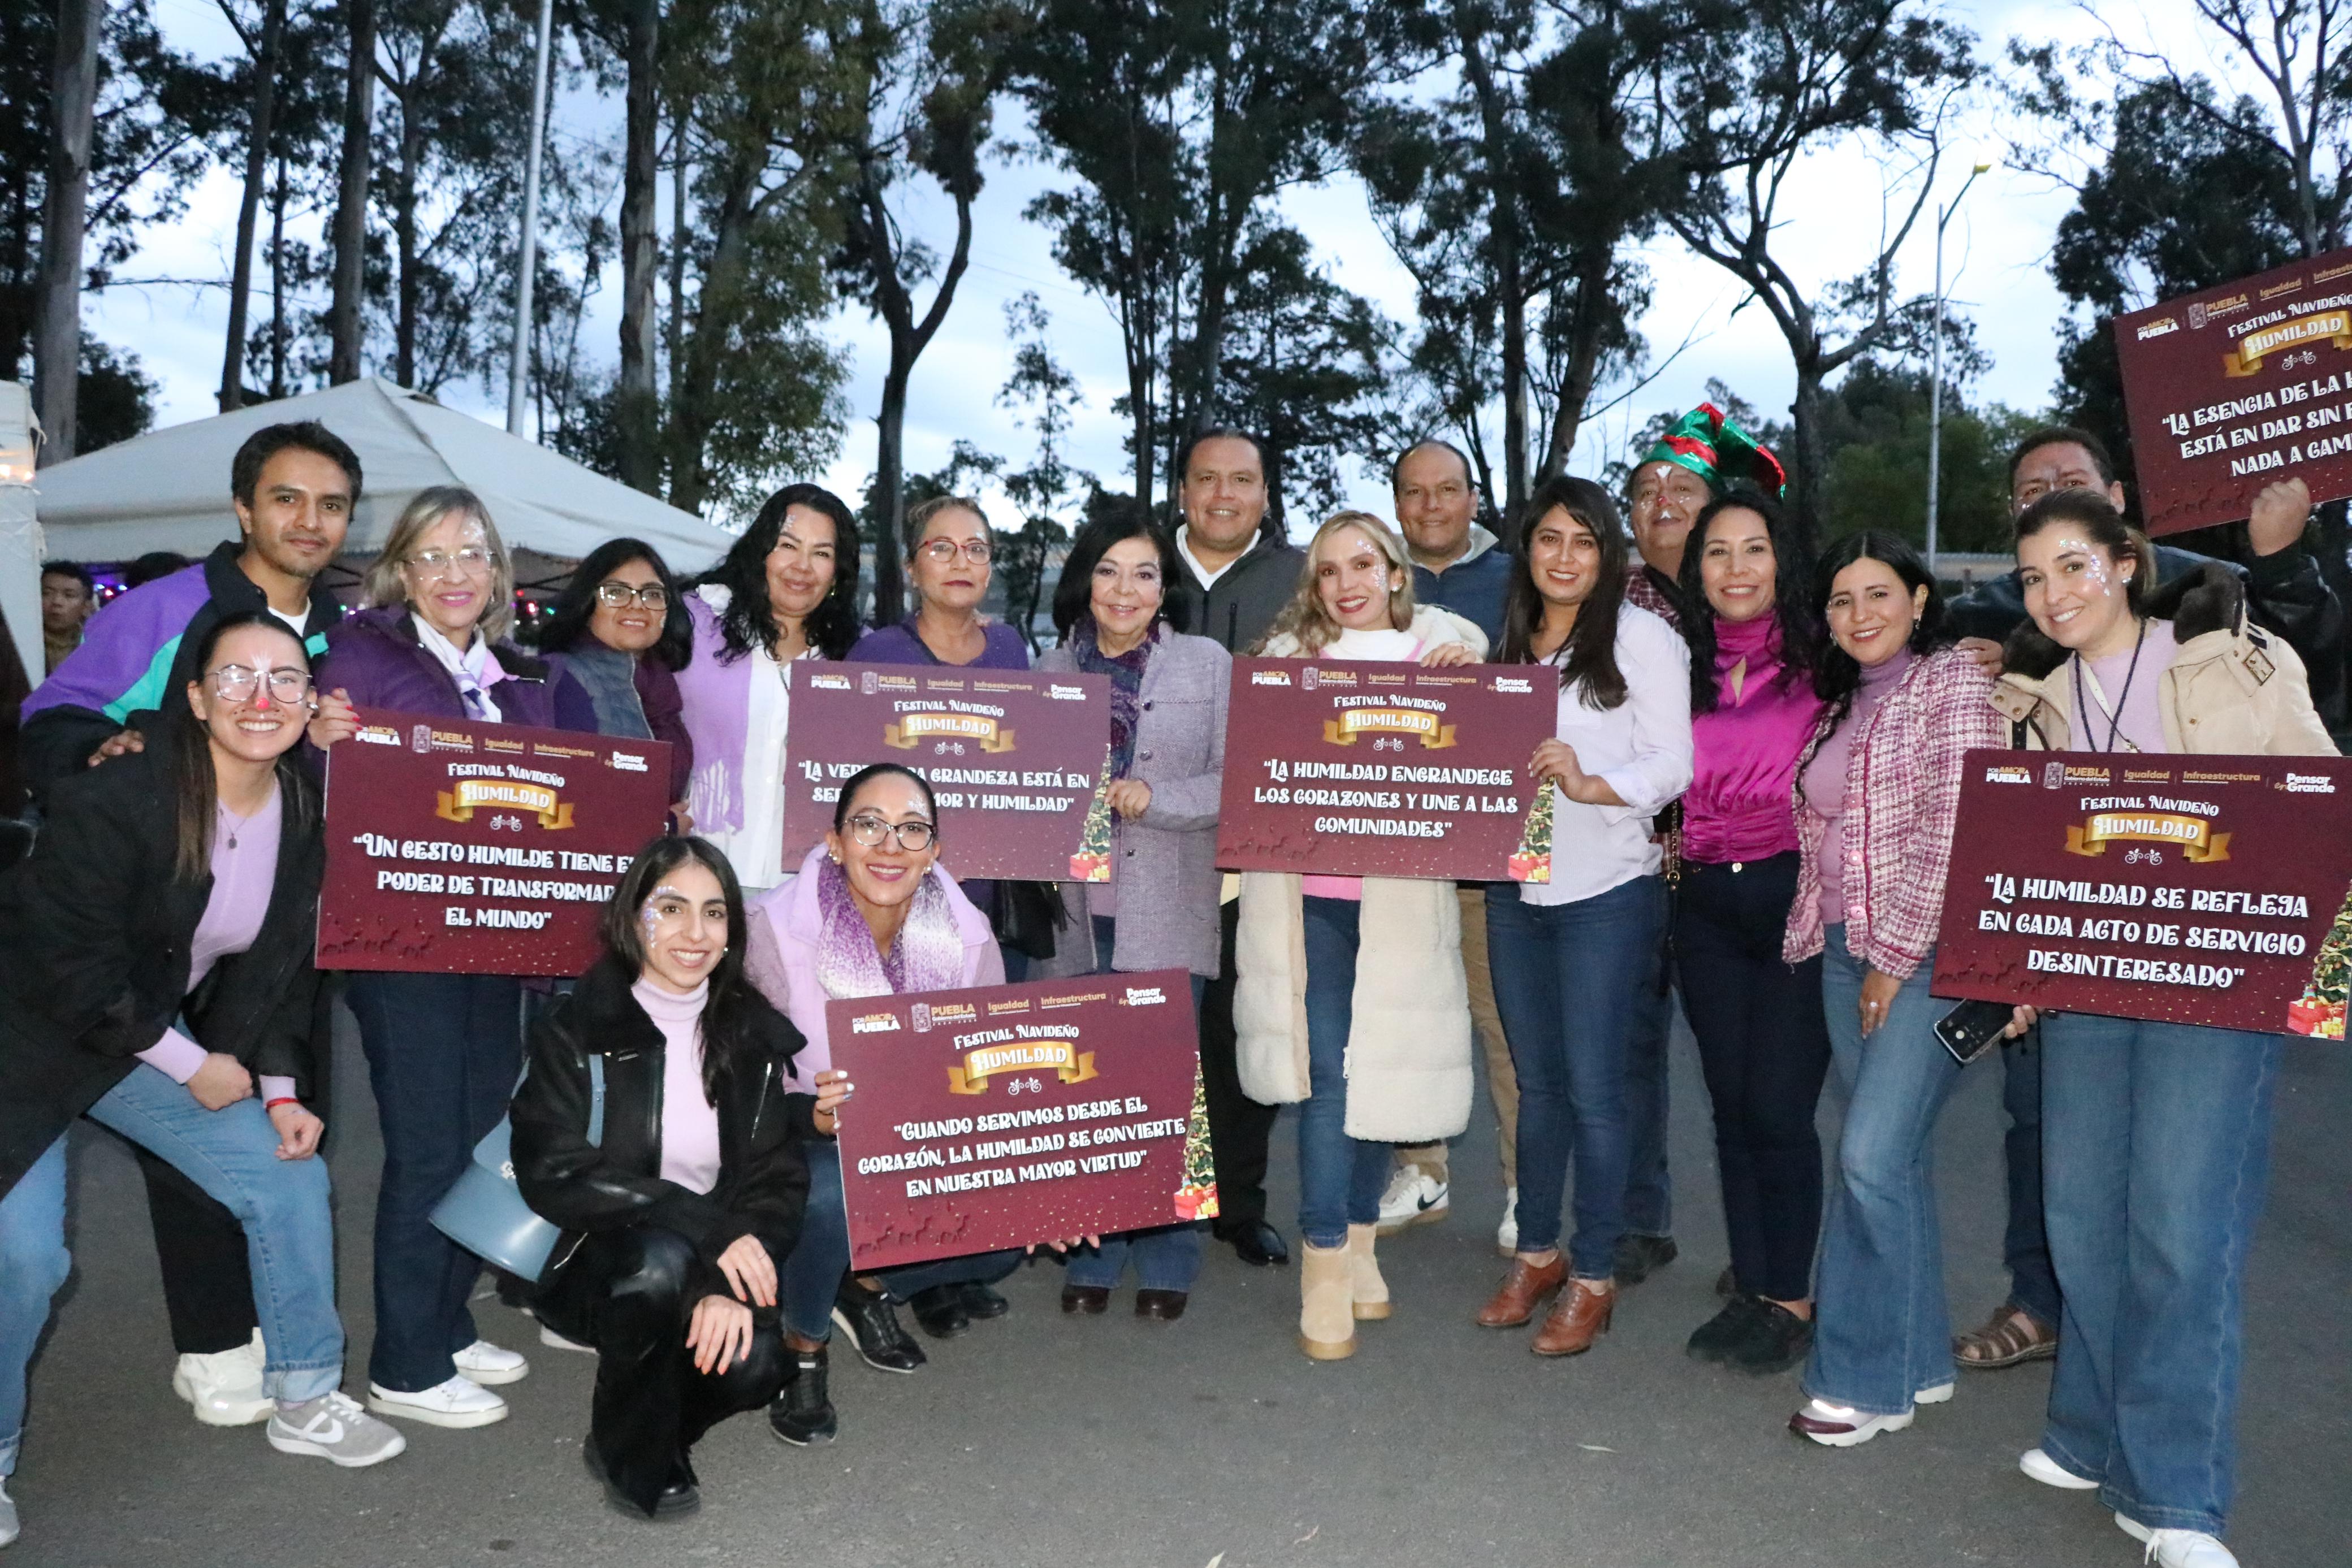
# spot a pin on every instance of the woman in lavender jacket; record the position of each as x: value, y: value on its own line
x: 1168, y: 701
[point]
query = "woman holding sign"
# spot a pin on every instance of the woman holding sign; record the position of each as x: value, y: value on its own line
x: 1168, y: 697
x: 680, y: 1201
x: 786, y: 592
x: 1380, y: 1052
x: 2154, y: 1136
x: 621, y: 630
x: 1574, y: 957
x: 1877, y: 795
x: 443, y: 1049
x: 872, y: 913
x: 1757, y: 1018
x: 155, y: 966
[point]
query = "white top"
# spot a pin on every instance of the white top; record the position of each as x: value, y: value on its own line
x: 1201, y: 574
x: 756, y: 849
x: 294, y: 624
x: 1642, y: 747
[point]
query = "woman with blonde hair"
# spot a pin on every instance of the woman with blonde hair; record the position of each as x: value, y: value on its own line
x: 443, y: 1051
x: 1380, y: 1050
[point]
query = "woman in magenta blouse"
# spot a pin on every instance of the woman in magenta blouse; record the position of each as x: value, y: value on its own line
x: 1757, y: 1020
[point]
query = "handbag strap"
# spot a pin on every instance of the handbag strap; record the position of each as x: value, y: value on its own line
x: 596, y: 1097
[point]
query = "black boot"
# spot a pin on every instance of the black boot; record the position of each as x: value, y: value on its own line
x: 873, y: 1326
x: 940, y: 1311
x: 803, y: 1414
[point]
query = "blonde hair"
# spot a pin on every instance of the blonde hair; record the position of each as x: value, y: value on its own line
x: 384, y: 583
x: 1306, y: 622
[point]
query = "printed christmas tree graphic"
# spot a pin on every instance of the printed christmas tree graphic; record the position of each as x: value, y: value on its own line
x: 2320, y: 1012
x: 1531, y: 861
x: 1092, y: 863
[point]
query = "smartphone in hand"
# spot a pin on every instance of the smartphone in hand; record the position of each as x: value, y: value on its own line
x: 1972, y: 1029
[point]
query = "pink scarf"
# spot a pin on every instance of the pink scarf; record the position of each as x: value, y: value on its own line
x: 928, y: 956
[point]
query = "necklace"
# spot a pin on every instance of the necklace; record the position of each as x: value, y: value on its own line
x: 2116, y: 713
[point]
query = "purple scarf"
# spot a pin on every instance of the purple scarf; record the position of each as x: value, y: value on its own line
x: 928, y: 956
x: 1126, y: 673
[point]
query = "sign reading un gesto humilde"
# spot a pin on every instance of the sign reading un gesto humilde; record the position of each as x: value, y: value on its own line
x: 2182, y: 889
x: 480, y: 849
x: 1018, y: 761
x: 1350, y: 768
x: 1011, y: 1114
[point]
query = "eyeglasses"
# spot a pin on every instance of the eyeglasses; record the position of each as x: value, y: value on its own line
x: 236, y: 684
x: 466, y: 562
x: 942, y: 551
x: 621, y: 595
x: 914, y: 837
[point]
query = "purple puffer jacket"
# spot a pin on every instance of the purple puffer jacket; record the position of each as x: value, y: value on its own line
x: 375, y: 657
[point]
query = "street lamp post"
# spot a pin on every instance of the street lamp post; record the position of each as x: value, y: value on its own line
x: 518, y: 369
x: 1936, y: 375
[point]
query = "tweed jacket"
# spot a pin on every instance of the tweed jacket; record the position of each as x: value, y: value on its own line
x: 1902, y: 794
x: 1166, y: 871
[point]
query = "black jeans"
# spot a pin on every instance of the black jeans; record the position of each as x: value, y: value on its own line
x: 630, y: 1293
x: 2033, y: 1279
x: 1765, y: 1050
x: 1238, y: 1125
x: 443, y: 1051
x: 207, y: 1288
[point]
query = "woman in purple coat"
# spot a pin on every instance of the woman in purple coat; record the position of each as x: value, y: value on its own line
x: 443, y: 1051
x: 621, y: 630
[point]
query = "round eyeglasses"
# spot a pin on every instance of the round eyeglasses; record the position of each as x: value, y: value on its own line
x: 942, y: 551
x: 236, y: 683
x: 467, y: 562
x: 621, y: 595
x: 914, y: 837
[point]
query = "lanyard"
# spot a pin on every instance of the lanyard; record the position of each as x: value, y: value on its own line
x: 2116, y: 713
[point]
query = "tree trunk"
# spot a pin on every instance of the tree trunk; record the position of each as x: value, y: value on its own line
x: 1509, y: 286
x: 1583, y: 367
x: 57, y: 343
x: 406, y: 286
x: 345, y: 326
x: 1807, y: 481
x: 678, y: 252
x: 638, y: 407
x: 248, y: 213
x: 695, y: 369
x: 277, y: 343
x: 889, y: 480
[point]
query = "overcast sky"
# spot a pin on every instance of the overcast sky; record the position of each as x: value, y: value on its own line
x: 1996, y: 263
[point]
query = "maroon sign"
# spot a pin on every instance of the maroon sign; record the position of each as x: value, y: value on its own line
x: 2238, y: 386
x: 1347, y: 768
x: 480, y: 849
x: 2200, y: 890
x: 1011, y: 1115
x: 1018, y: 760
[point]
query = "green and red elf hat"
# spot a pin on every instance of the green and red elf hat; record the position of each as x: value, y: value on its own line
x: 1718, y: 451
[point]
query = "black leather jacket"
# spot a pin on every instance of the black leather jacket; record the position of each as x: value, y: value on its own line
x: 763, y: 1178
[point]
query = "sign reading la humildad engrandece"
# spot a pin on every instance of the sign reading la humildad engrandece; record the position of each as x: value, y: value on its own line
x: 1346, y: 767
x: 1011, y: 1115
x: 2238, y: 386
x: 2199, y: 890
x: 1018, y: 761
x: 483, y: 848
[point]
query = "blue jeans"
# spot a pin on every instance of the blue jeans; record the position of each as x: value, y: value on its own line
x: 33, y: 1268
x: 809, y: 1279
x: 1340, y: 1178
x: 1882, y: 1328
x: 1166, y: 1257
x: 2156, y: 1158
x: 1568, y: 980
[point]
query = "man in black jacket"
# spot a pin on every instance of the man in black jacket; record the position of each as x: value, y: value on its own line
x: 1238, y: 573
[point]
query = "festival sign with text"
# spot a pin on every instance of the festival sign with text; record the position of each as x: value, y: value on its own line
x: 480, y: 849
x: 1018, y: 761
x: 1356, y: 769
x: 2199, y: 890
x: 1011, y: 1115
x: 2233, y: 387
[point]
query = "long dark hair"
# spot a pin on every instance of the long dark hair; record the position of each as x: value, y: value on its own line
x: 747, y: 623
x: 1801, y: 636
x: 195, y: 788
x: 1591, y: 647
x: 2105, y: 526
x: 568, y: 623
x: 1837, y: 675
x: 730, y: 1004
x: 1074, y: 595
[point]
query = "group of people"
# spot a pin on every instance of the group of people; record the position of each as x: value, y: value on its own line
x: 1756, y: 766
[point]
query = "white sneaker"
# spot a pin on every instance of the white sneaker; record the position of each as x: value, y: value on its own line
x: 225, y: 1386
x: 334, y: 1428
x: 1414, y: 1198
x: 1506, y: 1235
x: 1840, y: 1426
x: 2050, y: 1473
x: 484, y: 1363
x: 2179, y: 1548
x: 554, y: 1340
x: 1939, y: 1394
x: 460, y: 1402
x: 8, y: 1530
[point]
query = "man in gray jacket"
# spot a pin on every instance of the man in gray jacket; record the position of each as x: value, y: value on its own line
x: 1238, y: 571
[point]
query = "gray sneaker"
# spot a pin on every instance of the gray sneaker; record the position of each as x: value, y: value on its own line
x: 7, y: 1514
x: 334, y: 1428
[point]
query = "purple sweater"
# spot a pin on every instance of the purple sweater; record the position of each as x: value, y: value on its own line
x: 1824, y: 782
x: 376, y: 657
x: 1002, y: 648
x: 245, y: 870
x: 1745, y: 752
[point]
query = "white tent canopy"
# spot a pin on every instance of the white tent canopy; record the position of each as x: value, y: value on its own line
x: 169, y: 489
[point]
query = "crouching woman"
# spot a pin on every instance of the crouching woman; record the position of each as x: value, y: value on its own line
x: 678, y: 1202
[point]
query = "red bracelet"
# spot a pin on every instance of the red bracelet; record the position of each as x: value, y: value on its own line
x: 281, y: 1100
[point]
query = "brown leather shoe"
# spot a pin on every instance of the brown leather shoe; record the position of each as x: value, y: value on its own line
x: 1161, y: 1306
x: 1523, y: 1293
x: 1088, y: 1298
x: 1578, y: 1318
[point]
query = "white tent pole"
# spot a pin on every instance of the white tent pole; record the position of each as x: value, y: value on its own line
x: 519, y: 373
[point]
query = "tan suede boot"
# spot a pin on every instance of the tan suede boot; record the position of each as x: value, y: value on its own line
x: 1371, y: 1291
x: 1326, y: 1328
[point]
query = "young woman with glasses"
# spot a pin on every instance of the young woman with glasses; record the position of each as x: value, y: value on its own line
x: 622, y: 631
